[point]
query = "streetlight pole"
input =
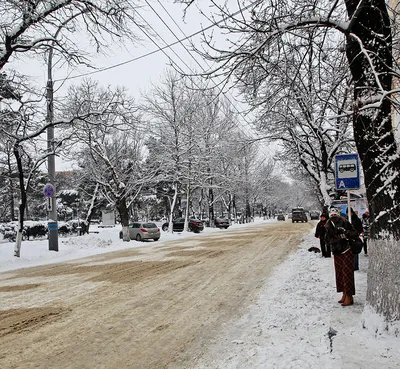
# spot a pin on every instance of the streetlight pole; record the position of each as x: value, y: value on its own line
x: 52, y: 204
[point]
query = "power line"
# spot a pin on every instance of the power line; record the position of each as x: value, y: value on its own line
x: 158, y: 50
x: 136, y: 58
x: 189, y: 52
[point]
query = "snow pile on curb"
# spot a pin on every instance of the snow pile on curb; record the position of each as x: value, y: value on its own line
x: 87, y: 242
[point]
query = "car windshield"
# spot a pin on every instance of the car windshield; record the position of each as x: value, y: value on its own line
x: 149, y: 225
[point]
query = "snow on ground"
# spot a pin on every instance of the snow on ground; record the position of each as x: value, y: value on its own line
x: 296, y: 323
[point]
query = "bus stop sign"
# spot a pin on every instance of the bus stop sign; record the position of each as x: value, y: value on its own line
x: 347, y: 172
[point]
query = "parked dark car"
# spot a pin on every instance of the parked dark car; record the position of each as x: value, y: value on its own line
x: 221, y: 223
x: 195, y: 225
x: 281, y: 217
x: 314, y: 214
x: 140, y: 231
x: 299, y: 215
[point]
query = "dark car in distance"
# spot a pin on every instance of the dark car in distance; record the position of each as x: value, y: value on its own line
x: 299, y: 215
x: 314, y: 214
x: 221, y: 223
x: 195, y: 225
x: 281, y: 217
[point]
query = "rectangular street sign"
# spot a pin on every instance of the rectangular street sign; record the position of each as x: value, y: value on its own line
x: 347, y: 172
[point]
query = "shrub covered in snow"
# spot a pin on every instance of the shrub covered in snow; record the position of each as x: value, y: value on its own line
x: 38, y: 229
x: 8, y: 231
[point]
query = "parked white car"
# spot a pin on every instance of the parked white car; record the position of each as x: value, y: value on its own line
x: 141, y: 231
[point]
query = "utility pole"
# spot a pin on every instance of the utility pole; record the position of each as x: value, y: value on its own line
x: 51, y: 204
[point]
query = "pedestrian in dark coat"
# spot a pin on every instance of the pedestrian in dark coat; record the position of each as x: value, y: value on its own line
x: 357, y: 224
x: 338, y: 231
x: 320, y: 233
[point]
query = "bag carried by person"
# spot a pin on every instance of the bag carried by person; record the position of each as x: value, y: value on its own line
x: 356, y: 245
x: 341, y: 242
x: 340, y: 246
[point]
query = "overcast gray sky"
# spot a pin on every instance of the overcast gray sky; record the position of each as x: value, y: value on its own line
x: 165, y: 19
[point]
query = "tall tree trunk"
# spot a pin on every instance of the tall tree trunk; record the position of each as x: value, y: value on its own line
x: 91, y: 207
x: 376, y: 145
x: 12, y: 204
x: 22, y: 204
x: 124, y: 215
x: 211, y: 205
x: 234, y: 208
x: 171, y: 215
x: 186, y: 224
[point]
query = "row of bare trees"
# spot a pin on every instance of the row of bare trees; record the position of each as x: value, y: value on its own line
x: 62, y: 31
x: 174, y: 144
x: 311, y: 68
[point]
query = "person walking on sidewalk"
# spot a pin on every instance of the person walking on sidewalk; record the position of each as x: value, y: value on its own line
x: 338, y: 231
x: 320, y: 231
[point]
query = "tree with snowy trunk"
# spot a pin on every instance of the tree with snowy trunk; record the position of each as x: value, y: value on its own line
x: 24, y: 128
x: 110, y: 146
x: 170, y: 110
x: 368, y: 37
x: 35, y: 27
x: 8, y: 169
x: 295, y: 102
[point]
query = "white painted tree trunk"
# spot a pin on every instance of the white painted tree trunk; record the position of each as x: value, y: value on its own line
x: 125, y: 233
x: 323, y: 187
x: 18, y: 243
x: 383, y: 291
x: 171, y: 216
x: 186, y: 225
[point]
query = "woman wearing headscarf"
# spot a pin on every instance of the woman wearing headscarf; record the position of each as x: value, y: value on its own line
x: 338, y: 231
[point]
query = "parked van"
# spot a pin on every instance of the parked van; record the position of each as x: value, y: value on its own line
x: 299, y: 215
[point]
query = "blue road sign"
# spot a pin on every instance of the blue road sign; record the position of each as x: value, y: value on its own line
x: 347, y: 172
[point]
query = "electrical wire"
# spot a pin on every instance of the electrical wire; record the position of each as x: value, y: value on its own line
x: 159, y: 49
x: 197, y: 62
x: 170, y: 59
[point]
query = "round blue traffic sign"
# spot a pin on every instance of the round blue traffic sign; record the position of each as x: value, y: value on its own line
x: 49, y: 190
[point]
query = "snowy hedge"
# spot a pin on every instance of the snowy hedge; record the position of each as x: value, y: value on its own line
x: 38, y: 229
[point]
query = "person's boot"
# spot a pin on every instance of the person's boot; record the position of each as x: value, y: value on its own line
x: 348, y: 300
x: 342, y: 299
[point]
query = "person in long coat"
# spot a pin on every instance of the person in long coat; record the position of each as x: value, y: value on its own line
x: 320, y: 233
x: 338, y: 231
x: 357, y: 224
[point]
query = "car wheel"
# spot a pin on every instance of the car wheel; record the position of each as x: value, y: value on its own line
x: 165, y: 228
x: 138, y: 237
x: 226, y: 227
x: 292, y: 221
x: 156, y: 239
